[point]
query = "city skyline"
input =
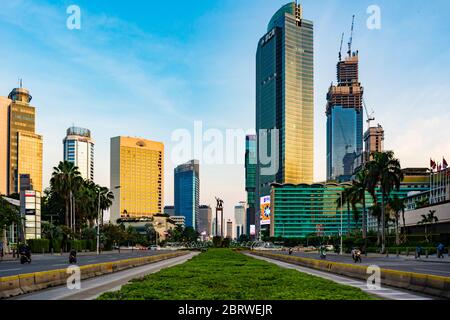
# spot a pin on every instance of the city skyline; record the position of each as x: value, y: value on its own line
x: 56, y: 93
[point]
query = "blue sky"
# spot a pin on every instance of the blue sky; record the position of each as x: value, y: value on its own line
x: 147, y: 68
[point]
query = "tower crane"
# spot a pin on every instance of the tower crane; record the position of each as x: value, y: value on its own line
x: 370, y: 116
x: 351, y: 38
x: 340, y: 50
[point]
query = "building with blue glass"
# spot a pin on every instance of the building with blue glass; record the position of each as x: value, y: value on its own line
x: 187, y: 192
x: 344, y: 121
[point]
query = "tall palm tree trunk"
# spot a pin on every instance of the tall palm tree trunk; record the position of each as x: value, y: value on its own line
x: 364, y: 219
x: 397, y: 232
x: 404, y: 226
x: 383, y: 225
x: 348, y: 217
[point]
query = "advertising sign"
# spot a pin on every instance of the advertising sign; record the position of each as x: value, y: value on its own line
x: 265, y: 210
x: 252, y: 230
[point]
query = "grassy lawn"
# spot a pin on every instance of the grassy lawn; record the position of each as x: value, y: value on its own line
x: 222, y: 274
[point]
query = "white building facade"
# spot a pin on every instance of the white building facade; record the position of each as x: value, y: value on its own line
x: 79, y: 149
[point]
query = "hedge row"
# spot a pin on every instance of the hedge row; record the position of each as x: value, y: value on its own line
x: 46, y: 246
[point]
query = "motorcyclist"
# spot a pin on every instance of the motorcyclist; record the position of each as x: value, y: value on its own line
x: 290, y: 251
x: 356, y: 253
x: 25, y: 250
x: 73, y: 256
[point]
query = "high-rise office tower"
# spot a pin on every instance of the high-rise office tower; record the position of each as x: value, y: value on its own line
x: 240, y: 219
x: 79, y: 149
x: 250, y: 180
x: 230, y: 229
x: 187, y: 191
x: 4, y: 108
x: 344, y: 120
x: 137, y: 177
x: 23, y: 146
x: 204, y: 220
x: 373, y: 141
x: 284, y: 99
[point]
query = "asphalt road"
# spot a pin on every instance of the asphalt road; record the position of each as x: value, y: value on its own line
x: 52, y: 262
x: 384, y: 292
x: 92, y: 288
x: 391, y: 262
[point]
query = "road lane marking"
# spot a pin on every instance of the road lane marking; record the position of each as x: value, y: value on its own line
x: 432, y: 270
x: 6, y: 270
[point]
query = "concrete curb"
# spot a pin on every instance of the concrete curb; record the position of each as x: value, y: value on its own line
x: 427, y: 284
x: 25, y: 283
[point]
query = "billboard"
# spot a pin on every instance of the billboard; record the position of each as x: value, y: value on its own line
x: 265, y: 210
x: 252, y: 230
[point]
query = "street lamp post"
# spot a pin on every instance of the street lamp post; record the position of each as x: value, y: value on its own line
x: 98, y: 224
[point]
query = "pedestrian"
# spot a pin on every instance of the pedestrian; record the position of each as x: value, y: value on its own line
x: 418, y: 250
x: 440, y: 251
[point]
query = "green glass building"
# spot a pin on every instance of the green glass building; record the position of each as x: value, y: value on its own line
x: 250, y: 180
x: 284, y: 100
x: 298, y: 211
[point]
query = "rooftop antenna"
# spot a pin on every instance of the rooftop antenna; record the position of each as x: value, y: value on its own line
x: 340, y: 50
x: 20, y: 83
x: 351, y: 38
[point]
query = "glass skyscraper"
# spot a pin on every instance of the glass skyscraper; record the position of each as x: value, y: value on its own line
x: 284, y: 99
x: 187, y: 192
x: 344, y: 121
x: 250, y: 180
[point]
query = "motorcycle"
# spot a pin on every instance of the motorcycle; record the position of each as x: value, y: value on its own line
x: 24, y: 258
x: 323, y: 253
x: 73, y: 258
x: 357, y: 256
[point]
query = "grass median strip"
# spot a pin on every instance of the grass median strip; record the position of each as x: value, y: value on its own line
x: 222, y: 274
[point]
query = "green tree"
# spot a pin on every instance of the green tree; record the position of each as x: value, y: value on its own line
x: 397, y: 206
x: 9, y: 214
x: 359, y: 189
x: 428, y: 220
x: 66, y: 180
x: 345, y: 198
x: 190, y: 235
x: 384, y: 171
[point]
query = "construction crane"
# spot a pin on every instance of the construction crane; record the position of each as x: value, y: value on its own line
x: 370, y: 117
x: 340, y: 50
x: 351, y: 38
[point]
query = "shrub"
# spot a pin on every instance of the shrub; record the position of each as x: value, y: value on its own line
x: 39, y: 245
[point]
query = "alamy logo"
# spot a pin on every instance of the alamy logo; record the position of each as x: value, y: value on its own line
x: 374, y: 279
x: 74, y: 20
x: 74, y: 280
x: 374, y: 20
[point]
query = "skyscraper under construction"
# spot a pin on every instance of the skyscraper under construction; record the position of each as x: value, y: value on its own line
x: 344, y: 119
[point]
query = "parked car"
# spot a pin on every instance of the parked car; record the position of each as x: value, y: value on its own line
x: 155, y: 247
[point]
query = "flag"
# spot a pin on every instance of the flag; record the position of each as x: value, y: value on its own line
x: 432, y: 164
x: 445, y: 164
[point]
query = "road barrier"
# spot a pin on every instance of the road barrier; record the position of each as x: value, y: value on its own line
x: 424, y: 283
x: 25, y: 283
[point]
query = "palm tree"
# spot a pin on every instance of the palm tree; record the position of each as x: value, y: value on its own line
x: 65, y: 180
x: 359, y: 188
x: 397, y: 205
x: 428, y: 219
x: 375, y: 211
x: 385, y: 171
x: 345, y: 197
x: 106, y: 199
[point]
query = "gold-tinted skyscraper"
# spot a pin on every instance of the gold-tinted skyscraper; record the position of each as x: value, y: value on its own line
x: 284, y: 98
x: 23, y: 147
x: 137, y: 177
